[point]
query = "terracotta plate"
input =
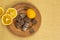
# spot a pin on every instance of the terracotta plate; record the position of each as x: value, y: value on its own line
x: 30, y: 31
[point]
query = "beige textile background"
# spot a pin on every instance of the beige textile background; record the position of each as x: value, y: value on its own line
x: 50, y: 25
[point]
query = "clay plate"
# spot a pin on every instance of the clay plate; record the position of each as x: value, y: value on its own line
x: 20, y: 33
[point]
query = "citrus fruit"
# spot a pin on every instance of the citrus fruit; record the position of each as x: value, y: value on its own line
x: 31, y: 13
x: 1, y: 11
x: 12, y: 12
x: 6, y: 19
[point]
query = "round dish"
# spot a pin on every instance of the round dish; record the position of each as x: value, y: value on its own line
x: 24, y: 6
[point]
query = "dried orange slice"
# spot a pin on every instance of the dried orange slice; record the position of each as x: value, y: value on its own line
x: 6, y: 19
x: 31, y: 13
x: 1, y: 11
x: 12, y: 12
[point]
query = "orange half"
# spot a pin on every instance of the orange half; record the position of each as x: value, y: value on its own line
x: 31, y: 13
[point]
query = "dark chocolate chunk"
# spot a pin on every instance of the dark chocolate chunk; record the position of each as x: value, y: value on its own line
x: 31, y: 30
x: 17, y: 18
x: 24, y: 28
x: 17, y: 25
x: 21, y: 22
x: 22, y: 15
x: 26, y: 25
x: 26, y: 19
x: 33, y: 21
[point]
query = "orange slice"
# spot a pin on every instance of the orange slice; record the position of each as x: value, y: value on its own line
x: 12, y: 12
x: 1, y: 11
x: 6, y: 19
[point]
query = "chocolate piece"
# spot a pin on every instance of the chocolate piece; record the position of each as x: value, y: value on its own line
x: 30, y: 25
x: 31, y: 30
x: 33, y: 21
x: 17, y: 18
x: 26, y: 25
x: 22, y: 15
x: 26, y: 19
x: 17, y: 25
x: 24, y: 28
x: 21, y: 22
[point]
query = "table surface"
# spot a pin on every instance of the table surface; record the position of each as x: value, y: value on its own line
x: 50, y: 26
